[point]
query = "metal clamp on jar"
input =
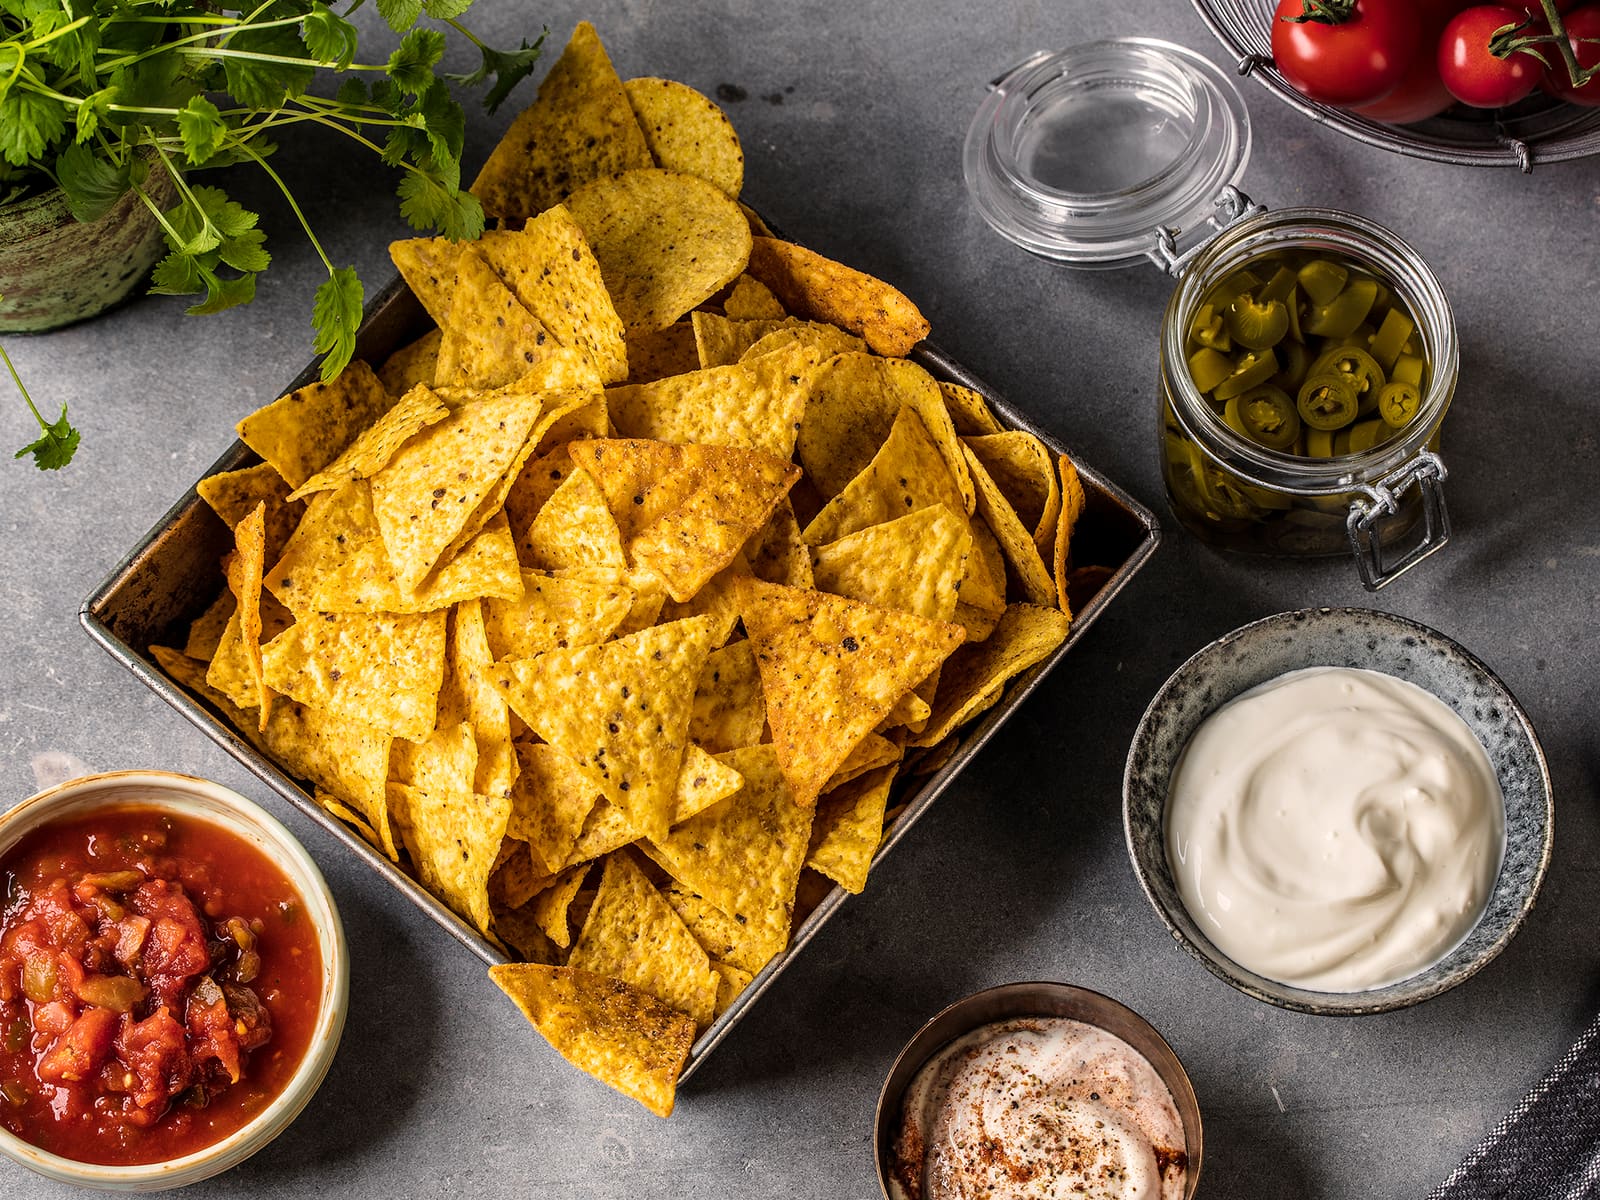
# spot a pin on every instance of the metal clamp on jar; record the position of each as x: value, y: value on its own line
x: 1118, y: 152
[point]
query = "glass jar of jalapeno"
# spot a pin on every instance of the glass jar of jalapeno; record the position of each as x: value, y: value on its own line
x: 1308, y: 358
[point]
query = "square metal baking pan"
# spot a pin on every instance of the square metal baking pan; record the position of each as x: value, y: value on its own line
x: 174, y: 573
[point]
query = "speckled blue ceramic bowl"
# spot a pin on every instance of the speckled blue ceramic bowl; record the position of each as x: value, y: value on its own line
x: 1344, y: 637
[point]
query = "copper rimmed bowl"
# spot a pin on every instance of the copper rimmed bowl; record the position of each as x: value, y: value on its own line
x: 1041, y: 999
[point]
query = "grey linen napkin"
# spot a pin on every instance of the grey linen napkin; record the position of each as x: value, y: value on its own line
x: 1548, y: 1146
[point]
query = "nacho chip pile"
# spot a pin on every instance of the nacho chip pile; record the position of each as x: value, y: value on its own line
x: 621, y: 606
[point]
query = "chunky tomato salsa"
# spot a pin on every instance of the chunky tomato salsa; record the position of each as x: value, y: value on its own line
x: 159, y: 983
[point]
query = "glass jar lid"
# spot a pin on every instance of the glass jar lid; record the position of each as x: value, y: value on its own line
x: 1084, y: 154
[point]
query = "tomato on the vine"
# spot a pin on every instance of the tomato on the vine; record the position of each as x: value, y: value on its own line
x: 1583, y: 31
x: 1421, y: 93
x: 1474, y: 75
x: 1344, y: 52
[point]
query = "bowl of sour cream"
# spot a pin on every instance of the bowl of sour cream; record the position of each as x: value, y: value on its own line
x: 1038, y: 1090
x: 1338, y: 811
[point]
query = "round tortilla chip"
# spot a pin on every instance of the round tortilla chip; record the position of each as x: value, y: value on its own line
x: 687, y: 132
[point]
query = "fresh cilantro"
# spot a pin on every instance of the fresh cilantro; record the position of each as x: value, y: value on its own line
x: 203, y: 130
x: 57, y: 441
x: 335, y: 317
x: 401, y: 14
x: 267, y: 81
x: 330, y: 37
x: 507, y: 67
x: 411, y: 64
x: 428, y: 204
x: 92, y: 184
x: 29, y: 125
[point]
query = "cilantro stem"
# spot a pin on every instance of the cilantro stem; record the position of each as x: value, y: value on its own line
x: 465, y: 32
x: 27, y: 399
x: 284, y: 59
x: 52, y: 36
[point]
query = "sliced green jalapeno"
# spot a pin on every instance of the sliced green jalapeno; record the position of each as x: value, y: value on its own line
x: 1252, y: 368
x: 1340, y: 316
x: 1366, y: 376
x: 1323, y: 280
x: 1391, y: 338
x: 1266, y: 416
x: 1257, y: 324
x: 1398, y: 403
x: 1328, y: 401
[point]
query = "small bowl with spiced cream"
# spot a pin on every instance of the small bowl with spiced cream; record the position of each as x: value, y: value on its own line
x: 1038, y: 1089
x: 1338, y: 811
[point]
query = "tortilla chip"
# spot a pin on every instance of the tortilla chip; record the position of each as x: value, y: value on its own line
x: 744, y: 853
x: 550, y: 269
x: 720, y: 342
x: 854, y: 402
x: 485, y: 707
x: 755, y: 406
x: 752, y: 300
x: 687, y: 132
x: 549, y: 803
x: 1072, y: 506
x: 553, y: 614
x: 1016, y: 539
x: 969, y: 411
x: 848, y: 828
x: 244, y: 570
x: 234, y: 494
x: 661, y: 353
x: 871, y: 752
x: 515, y: 878
x: 778, y: 554
x: 621, y: 710
x: 685, y: 511
x: 702, y: 781
x: 205, y: 631
x: 723, y: 938
x: 907, y: 473
x: 914, y: 563
x: 1021, y: 467
x: 911, y: 710
x: 667, y: 242
x: 411, y: 364
x: 551, y: 906
x: 381, y: 668
x: 824, y: 341
x: 454, y: 840
x: 233, y: 670
x: 446, y: 762
x: 519, y: 929
x: 425, y: 499
x: 303, y: 432
x: 335, y: 807
x: 730, y: 982
x: 978, y: 622
x: 633, y: 935
x: 831, y: 670
x: 581, y: 127
x: 625, y: 1038
x: 349, y: 759
x: 729, y: 709
x: 810, y: 285
x: 336, y: 562
x: 649, y: 593
x: 573, y: 529
x: 376, y: 445
x: 1026, y: 634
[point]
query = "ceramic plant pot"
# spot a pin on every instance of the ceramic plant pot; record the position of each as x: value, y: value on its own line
x: 55, y: 270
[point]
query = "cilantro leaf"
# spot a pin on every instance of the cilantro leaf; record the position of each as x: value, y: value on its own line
x: 203, y: 130
x: 94, y: 109
x: 29, y: 124
x: 443, y: 10
x: 245, y: 251
x: 508, y: 68
x: 335, y: 317
x: 330, y: 37
x: 267, y: 84
x: 223, y: 293
x: 428, y: 204
x: 177, y: 274
x: 92, y: 184
x: 411, y: 64
x: 55, y: 446
x: 401, y: 14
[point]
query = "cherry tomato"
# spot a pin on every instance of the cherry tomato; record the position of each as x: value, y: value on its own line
x: 1358, y: 61
x: 1473, y: 75
x: 1582, y: 24
x: 1421, y: 93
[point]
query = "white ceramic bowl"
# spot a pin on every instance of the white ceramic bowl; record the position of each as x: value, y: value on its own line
x: 200, y: 799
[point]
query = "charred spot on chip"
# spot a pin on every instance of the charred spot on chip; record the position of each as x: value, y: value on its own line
x: 849, y: 643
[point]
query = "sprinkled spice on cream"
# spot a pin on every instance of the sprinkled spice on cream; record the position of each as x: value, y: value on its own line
x: 1039, y: 1107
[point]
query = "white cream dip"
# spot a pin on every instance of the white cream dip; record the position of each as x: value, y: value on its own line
x: 1335, y: 829
x: 1039, y: 1107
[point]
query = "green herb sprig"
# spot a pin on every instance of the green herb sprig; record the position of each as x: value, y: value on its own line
x: 95, y: 95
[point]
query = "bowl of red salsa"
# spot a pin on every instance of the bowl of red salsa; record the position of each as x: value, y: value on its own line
x: 173, y: 980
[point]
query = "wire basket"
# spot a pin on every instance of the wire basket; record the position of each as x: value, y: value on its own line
x: 1540, y: 129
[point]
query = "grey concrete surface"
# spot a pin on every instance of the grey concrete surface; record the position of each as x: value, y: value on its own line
x: 852, y: 126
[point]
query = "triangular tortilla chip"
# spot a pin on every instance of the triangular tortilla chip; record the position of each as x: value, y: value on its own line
x: 580, y: 128
x: 488, y: 339
x: 914, y: 563
x: 969, y: 411
x: 454, y: 839
x: 824, y: 341
x: 754, y: 406
x: 233, y: 494
x: 381, y: 668
x: 854, y: 402
x: 520, y: 930
x: 625, y: 1038
x: 810, y: 285
x: 425, y: 497
x: 667, y: 242
x: 515, y: 878
x: 552, y: 905
x: 633, y: 935
x: 752, y: 300
x: 550, y: 269
x: 721, y: 341
x: 779, y: 553
x: 848, y: 828
x: 446, y: 762
x: 831, y: 670
x: 702, y: 781
x: 486, y: 711
x: 723, y: 938
x: 621, y: 710
x: 1026, y: 634
x: 744, y: 853
x: 661, y: 353
x: 871, y: 752
x: 1022, y: 468
x: 1015, y: 538
x: 549, y: 802
x: 729, y: 710
x: 687, y: 132
x: 376, y: 445
x: 303, y: 432
x: 336, y: 562
x: 1072, y: 506
x: 244, y: 570
x: 554, y: 614
x: 574, y: 529
x: 206, y: 630
x: 349, y: 759
x: 411, y: 364
x: 906, y: 474
x: 685, y: 511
